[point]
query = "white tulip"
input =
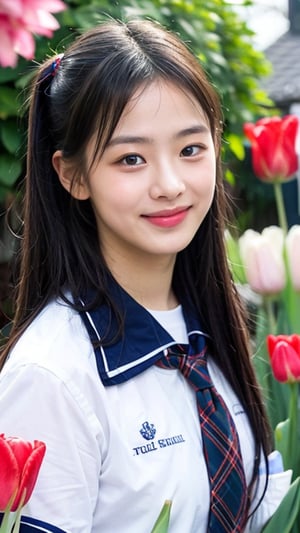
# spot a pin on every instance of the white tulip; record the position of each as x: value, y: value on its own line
x: 262, y: 255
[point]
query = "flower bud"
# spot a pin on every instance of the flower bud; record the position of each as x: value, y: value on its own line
x: 273, y: 147
x: 284, y: 351
x: 20, y: 463
x: 263, y: 260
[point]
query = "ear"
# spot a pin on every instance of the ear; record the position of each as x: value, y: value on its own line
x: 65, y: 170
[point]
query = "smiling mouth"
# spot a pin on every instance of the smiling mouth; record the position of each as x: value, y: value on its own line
x: 167, y: 218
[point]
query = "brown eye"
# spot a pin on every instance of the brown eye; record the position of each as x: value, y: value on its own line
x: 132, y: 160
x: 191, y: 150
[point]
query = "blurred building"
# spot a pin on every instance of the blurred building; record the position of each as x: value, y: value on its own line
x: 283, y: 87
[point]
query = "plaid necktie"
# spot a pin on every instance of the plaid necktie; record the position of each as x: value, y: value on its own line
x: 228, y: 489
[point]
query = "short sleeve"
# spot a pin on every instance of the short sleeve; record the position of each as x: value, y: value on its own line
x: 36, y: 404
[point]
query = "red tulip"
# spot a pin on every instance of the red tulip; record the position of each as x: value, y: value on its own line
x: 273, y: 143
x: 20, y: 463
x: 284, y: 351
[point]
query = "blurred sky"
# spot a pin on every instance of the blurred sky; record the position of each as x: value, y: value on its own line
x: 268, y: 18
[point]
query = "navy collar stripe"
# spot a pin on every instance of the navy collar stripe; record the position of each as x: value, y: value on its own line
x: 33, y: 525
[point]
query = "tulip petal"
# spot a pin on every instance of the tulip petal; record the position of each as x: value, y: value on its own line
x: 295, y: 342
x: 10, y: 473
x: 30, y: 473
x: 21, y: 450
x: 271, y: 343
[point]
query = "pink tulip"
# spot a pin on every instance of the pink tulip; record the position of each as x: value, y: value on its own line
x: 262, y: 257
x: 19, y: 19
x: 20, y: 462
x: 273, y: 147
x: 293, y: 255
x: 284, y: 351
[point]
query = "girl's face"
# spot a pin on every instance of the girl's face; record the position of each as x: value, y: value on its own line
x: 155, y: 182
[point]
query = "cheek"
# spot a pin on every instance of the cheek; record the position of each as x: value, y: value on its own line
x: 205, y: 182
x: 111, y: 202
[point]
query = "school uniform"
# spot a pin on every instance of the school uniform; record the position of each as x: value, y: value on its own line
x: 122, y: 434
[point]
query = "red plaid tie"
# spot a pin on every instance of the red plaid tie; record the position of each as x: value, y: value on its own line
x: 228, y: 489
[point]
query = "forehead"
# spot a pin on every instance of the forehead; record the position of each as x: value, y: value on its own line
x: 160, y: 102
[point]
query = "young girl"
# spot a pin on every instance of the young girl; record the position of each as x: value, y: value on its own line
x: 122, y: 268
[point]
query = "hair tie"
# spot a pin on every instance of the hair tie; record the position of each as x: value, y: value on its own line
x: 55, y: 64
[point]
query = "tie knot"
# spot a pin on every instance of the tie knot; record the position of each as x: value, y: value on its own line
x: 193, y: 367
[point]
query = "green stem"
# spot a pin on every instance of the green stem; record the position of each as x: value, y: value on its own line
x: 17, y: 524
x: 7, y: 522
x: 8, y: 517
x: 280, y: 207
x: 293, y: 443
x: 272, y: 328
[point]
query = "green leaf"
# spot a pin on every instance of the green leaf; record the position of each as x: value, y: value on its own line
x: 10, y: 136
x: 162, y: 523
x: 285, y: 516
x: 9, y: 105
x: 276, y: 395
x: 281, y: 434
x: 234, y: 259
x: 10, y: 170
x: 236, y: 146
x: 229, y: 177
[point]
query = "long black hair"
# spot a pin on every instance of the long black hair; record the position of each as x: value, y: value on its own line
x: 81, y: 95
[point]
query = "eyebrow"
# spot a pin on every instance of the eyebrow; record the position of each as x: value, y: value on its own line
x: 135, y: 139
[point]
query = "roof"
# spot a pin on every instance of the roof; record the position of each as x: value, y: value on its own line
x: 283, y: 86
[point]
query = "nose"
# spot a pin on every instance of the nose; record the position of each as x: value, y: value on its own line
x: 167, y: 182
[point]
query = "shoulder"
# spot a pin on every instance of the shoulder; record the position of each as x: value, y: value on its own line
x: 54, y: 358
x: 55, y: 336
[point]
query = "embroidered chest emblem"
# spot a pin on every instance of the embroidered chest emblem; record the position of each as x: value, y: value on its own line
x: 148, y: 431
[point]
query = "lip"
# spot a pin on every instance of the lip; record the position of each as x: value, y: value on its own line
x: 167, y: 218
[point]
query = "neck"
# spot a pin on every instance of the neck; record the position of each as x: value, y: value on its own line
x: 147, y: 280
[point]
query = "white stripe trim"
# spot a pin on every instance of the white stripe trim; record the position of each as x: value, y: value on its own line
x: 36, y: 527
x: 136, y: 362
x: 199, y: 333
x: 142, y: 359
x: 99, y: 338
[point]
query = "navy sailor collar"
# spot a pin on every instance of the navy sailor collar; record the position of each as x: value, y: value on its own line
x: 143, y: 342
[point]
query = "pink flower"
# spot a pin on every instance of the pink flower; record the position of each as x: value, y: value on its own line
x: 262, y: 256
x: 19, y: 20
